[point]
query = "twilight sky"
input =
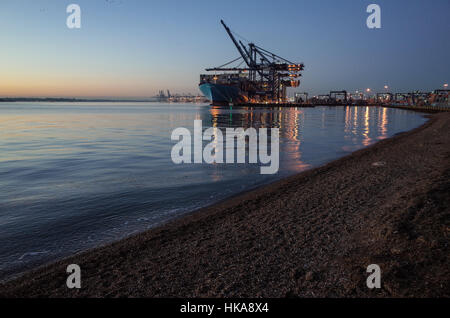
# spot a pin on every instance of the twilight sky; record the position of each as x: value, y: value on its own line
x: 133, y: 48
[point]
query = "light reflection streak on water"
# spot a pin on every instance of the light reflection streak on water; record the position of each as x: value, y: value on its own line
x: 367, y: 140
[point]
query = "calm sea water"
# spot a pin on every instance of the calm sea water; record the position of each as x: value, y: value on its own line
x: 77, y: 175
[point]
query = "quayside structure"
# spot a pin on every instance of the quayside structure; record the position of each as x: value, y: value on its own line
x: 256, y: 76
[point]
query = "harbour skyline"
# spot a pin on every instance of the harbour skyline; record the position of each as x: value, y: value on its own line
x: 132, y: 49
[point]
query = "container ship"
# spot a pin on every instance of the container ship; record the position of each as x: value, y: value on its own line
x: 260, y: 77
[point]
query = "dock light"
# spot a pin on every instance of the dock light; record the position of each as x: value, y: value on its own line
x: 368, y: 90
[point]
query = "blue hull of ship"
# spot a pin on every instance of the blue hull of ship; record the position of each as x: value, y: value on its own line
x: 221, y: 94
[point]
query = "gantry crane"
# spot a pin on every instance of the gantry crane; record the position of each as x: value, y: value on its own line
x: 268, y: 74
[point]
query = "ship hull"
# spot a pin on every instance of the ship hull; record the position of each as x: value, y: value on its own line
x: 222, y: 94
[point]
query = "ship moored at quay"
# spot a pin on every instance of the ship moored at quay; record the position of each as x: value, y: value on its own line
x: 259, y: 77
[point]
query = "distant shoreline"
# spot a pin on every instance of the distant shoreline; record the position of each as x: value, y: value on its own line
x: 73, y: 100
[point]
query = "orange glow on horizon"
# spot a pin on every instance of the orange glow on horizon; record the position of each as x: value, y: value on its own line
x: 67, y: 88
x: 15, y: 84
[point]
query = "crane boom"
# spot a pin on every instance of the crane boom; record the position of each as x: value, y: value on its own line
x: 244, y: 56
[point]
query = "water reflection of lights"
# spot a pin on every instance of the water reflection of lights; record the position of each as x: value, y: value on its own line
x: 288, y: 120
x: 358, y: 126
x: 383, y: 124
x: 366, y: 132
x: 348, y: 115
x: 355, y: 121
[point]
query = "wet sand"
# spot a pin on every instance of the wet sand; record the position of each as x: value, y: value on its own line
x: 310, y: 235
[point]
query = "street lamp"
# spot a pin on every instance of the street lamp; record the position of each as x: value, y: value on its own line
x: 368, y: 93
